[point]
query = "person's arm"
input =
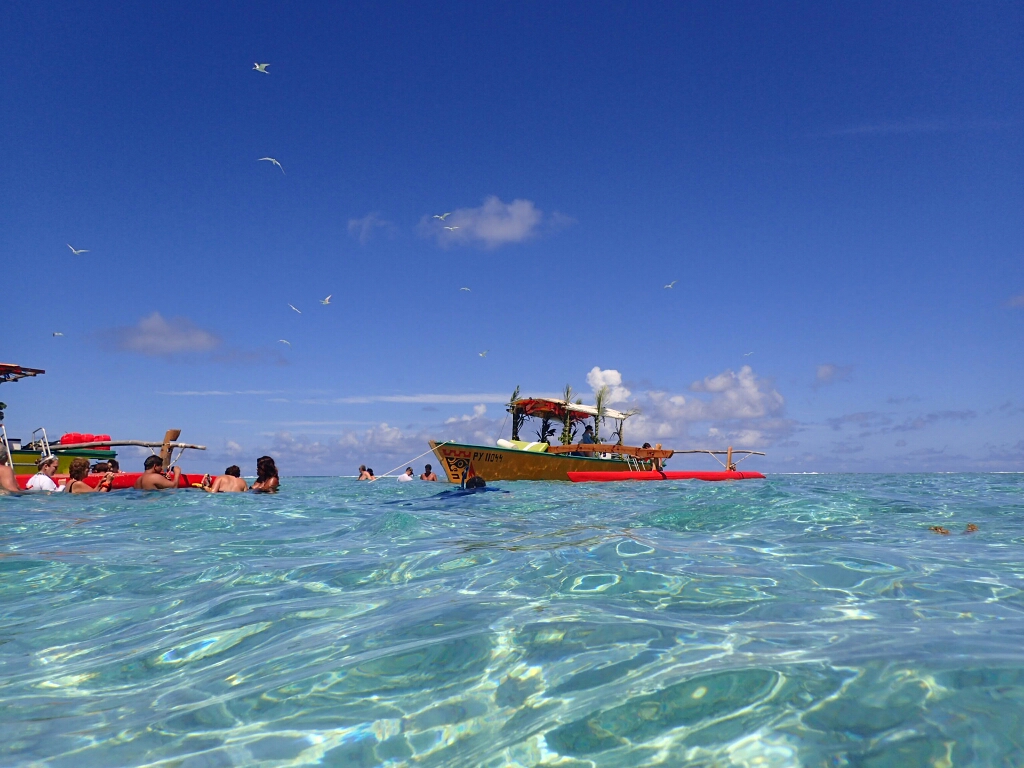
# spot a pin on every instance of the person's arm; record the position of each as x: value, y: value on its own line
x: 161, y: 482
x: 7, y: 479
x: 216, y: 487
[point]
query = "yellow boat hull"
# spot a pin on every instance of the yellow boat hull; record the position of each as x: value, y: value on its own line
x: 493, y: 463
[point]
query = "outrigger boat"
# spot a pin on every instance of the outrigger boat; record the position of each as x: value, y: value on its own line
x: 516, y: 459
x: 22, y: 458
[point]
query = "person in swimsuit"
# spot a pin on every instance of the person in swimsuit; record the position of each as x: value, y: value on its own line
x: 153, y: 478
x: 230, y: 482
x: 428, y: 474
x: 8, y: 482
x: 43, y: 479
x: 77, y: 471
x: 363, y: 474
x: 267, y: 480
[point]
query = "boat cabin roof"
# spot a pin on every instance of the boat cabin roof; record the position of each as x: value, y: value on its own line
x: 11, y: 372
x: 543, y: 407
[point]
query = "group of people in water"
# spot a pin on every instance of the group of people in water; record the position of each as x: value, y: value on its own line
x: 366, y: 473
x: 154, y: 478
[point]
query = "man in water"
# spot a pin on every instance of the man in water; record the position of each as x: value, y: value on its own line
x: 407, y: 476
x: 428, y: 474
x: 42, y: 480
x: 230, y: 482
x: 8, y: 482
x: 153, y: 478
x: 363, y: 474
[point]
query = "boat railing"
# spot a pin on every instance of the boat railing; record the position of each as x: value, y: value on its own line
x: 624, y: 450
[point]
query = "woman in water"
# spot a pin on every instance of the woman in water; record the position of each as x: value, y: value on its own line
x: 77, y: 472
x: 267, y: 480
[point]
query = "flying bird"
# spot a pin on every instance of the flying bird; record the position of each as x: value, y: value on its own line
x: 484, y: 353
x: 284, y: 341
x: 57, y: 333
x: 747, y: 354
x: 451, y: 229
x: 442, y: 216
x: 272, y: 160
x: 463, y: 289
x: 78, y: 252
x: 326, y: 301
x: 261, y: 68
x: 297, y: 310
x: 672, y: 284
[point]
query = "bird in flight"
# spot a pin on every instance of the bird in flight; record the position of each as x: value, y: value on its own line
x: 484, y: 353
x: 747, y: 354
x: 261, y: 68
x: 463, y: 289
x: 442, y: 216
x: 326, y: 301
x: 272, y: 160
x: 78, y: 252
x: 57, y: 333
x: 451, y: 229
x: 284, y: 341
x: 297, y: 310
x: 672, y: 284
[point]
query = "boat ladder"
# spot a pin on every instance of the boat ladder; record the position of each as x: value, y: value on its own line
x: 45, y: 442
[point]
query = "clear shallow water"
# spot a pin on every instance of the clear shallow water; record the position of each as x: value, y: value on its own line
x: 804, y: 620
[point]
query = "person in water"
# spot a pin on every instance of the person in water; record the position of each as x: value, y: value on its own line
x: 267, y: 480
x: 153, y: 479
x: 406, y: 476
x: 42, y: 480
x: 8, y: 482
x: 363, y: 474
x: 370, y: 475
x: 230, y: 482
x: 475, y: 482
x: 78, y: 471
x: 113, y: 466
x: 428, y: 474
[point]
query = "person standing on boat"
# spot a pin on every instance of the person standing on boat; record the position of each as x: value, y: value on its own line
x: 153, y: 478
x: 42, y: 480
x: 588, y: 436
x: 428, y: 474
x: 8, y: 482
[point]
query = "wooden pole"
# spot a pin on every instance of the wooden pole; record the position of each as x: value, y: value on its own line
x: 729, y: 466
x: 165, y: 450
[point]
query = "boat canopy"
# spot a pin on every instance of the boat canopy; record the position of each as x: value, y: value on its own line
x: 11, y: 372
x: 543, y: 407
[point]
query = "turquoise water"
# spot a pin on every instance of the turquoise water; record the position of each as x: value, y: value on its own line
x: 802, y: 620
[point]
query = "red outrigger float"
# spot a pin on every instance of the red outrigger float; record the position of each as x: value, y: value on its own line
x: 120, y: 482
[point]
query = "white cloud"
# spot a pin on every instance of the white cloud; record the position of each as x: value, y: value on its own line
x: 156, y: 337
x: 363, y: 229
x: 609, y: 378
x: 739, y: 395
x: 492, y: 224
x: 218, y: 392
x: 830, y: 373
x: 478, y: 413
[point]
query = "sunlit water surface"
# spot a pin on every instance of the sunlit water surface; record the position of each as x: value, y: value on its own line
x: 802, y: 620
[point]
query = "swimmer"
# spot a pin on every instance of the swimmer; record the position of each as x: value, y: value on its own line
x: 77, y: 471
x: 428, y: 474
x: 267, y: 480
x: 42, y: 480
x: 8, y: 482
x: 363, y: 474
x: 230, y: 482
x: 153, y: 478
x: 407, y: 476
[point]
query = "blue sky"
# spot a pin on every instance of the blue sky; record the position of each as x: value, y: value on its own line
x: 837, y: 191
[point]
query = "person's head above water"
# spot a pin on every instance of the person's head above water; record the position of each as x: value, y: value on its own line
x: 265, y: 468
x: 476, y: 482
x: 426, y: 468
x: 153, y: 461
x: 408, y: 471
x: 233, y: 470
